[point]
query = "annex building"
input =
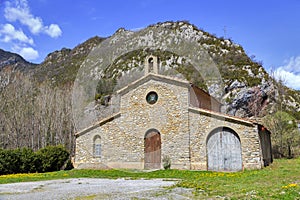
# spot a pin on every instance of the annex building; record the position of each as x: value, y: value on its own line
x: 163, y: 117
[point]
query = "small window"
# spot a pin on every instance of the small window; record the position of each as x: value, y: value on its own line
x: 152, y: 97
x: 150, y: 62
x: 97, y: 150
x: 97, y: 146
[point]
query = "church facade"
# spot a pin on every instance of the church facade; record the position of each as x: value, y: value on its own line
x: 166, y: 118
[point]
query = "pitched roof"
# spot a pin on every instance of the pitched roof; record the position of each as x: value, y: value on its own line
x: 222, y: 116
x: 98, y: 124
x: 152, y: 76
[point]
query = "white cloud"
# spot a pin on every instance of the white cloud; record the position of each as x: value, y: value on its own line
x: 18, y: 14
x: 293, y: 65
x: 53, y: 30
x: 29, y: 53
x: 20, y: 11
x: 290, y: 73
x: 9, y: 33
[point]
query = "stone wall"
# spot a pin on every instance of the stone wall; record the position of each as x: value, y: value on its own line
x: 203, y: 122
x: 183, y: 130
x: 122, y: 139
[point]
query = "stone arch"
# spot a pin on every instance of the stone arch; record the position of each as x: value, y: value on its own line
x: 150, y: 64
x: 152, y: 149
x: 97, y: 148
x: 223, y: 150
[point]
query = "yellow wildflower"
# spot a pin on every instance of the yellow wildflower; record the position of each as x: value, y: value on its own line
x: 291, y: 185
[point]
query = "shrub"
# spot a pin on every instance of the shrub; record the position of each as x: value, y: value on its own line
x: 8, y: 162
x: 52, y: 158
x: 166, y: 162
x: 28, y: 160
x: 68, y: 165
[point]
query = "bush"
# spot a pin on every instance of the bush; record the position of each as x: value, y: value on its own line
x: 68, y: 165
x: 25, y: 160
x: 52, y: 158
x: 28, y: 160
x: 166, y: 162
x: 9, y: 161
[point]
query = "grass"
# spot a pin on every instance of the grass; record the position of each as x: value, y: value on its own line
x: 281, y: 180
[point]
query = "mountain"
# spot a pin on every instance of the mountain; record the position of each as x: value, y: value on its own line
x: 247, y: 89
x: 12, y: 64
x: 14, y: 61
x: 61, y: 66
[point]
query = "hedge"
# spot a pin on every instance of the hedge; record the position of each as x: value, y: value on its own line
x: 25, y: 160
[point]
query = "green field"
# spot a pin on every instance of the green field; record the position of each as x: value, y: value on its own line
x: 281, y: 180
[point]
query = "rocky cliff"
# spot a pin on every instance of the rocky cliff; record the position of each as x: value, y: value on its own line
x: 247, y: 89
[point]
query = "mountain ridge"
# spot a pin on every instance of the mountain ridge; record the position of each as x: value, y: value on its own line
x: 245, y: 81
x: 14, y: 61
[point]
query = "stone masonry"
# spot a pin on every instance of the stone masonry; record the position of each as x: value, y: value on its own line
x: 183, y: 129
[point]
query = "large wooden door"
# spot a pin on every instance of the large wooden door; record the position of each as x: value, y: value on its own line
x: 224, y: 151
x: 152, y: 150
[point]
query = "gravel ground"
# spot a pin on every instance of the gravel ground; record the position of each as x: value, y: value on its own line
x: 88, y: 188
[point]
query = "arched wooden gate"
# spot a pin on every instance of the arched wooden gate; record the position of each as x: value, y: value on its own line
x: 224, y: 150
x: 152, y: 144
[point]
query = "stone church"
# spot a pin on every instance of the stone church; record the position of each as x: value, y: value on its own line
x: 160, y: 118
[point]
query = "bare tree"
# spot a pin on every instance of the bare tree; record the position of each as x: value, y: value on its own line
x: 35, y: 116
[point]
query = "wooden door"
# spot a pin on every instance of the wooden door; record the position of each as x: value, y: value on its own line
x: 152, y: 150
x: 224, y: 151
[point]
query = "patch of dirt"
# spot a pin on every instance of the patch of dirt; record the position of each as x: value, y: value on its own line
x: 90, y: 188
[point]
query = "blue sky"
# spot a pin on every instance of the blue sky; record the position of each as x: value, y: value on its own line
x: 269, y: 30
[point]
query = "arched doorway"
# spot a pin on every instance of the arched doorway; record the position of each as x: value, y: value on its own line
x: 152, y: 144
x: 224, y: 150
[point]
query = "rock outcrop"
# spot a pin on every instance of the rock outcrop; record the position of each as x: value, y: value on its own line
x: 247, y: 89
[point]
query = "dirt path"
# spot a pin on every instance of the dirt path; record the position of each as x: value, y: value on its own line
x: 87, y: 188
